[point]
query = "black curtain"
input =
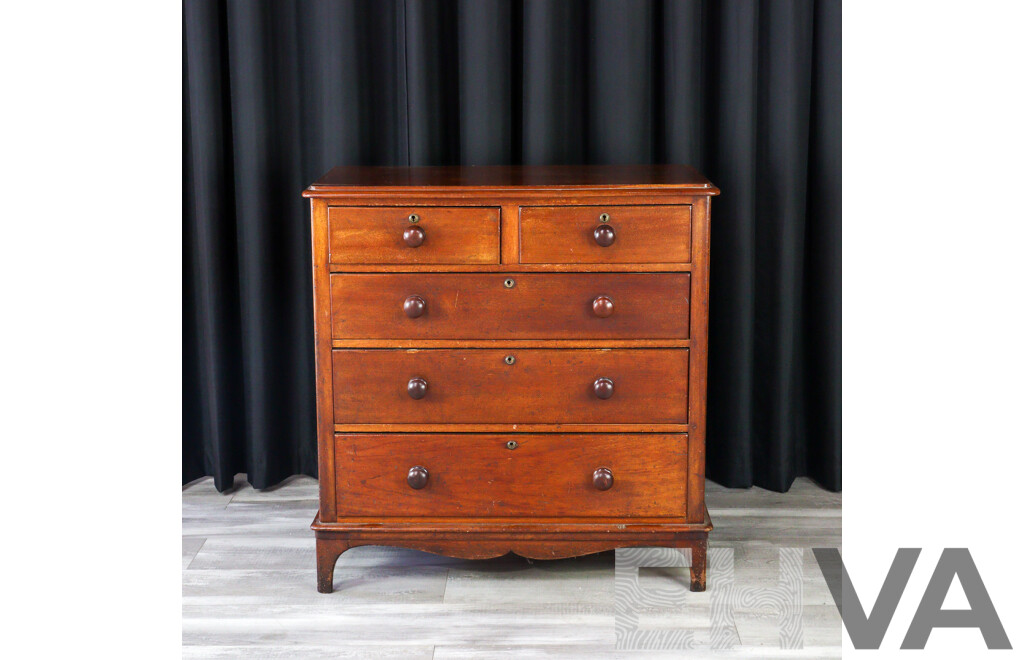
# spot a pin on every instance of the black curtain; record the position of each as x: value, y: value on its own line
x: 276, y: 93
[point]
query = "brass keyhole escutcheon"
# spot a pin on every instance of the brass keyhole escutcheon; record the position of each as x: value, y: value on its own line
x: 509, y: 283
x: 510, y: 359
x: 604, y: 217
x: 413, y: 217
x: 511, y: 444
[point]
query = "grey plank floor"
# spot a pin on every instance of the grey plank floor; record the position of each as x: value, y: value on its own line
x: 249, y: 586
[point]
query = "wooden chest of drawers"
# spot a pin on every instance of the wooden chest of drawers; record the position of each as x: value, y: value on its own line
x: 511, y: 359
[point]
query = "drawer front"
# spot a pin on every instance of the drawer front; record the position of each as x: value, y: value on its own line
x: 511, y: 386
x: 479, y: 475
x: 631, y: 235
x: 440, y: 235
x: 511, y: 305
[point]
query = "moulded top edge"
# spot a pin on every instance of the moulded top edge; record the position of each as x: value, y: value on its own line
x: 511, y: 178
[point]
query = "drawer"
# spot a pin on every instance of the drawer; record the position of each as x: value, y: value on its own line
x: 631, y: 234
x: 440, y: 235
x: 511, y: 305
x: 510, y: 386
x: 478, y: 475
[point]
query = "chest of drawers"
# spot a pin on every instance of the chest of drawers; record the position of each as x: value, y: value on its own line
x: 511, y: 359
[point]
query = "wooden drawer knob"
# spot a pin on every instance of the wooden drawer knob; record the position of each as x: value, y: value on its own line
x: 604, y: 235
x: 604, y: 388
x: 603, y: 479
x: 603, y: 306
x: 414, y: 236
x: 414, y: 307
x: 418, y: 476
x: 417, y: 388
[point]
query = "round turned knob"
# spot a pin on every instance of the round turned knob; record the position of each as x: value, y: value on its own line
x: 604, y: 235
x: 603, y: 388
x: 414, y: 307
x: 414, y: 236
x: 603, y: 479
x: 418, y: 476
x: 418, y: 388
x: 603, y: 306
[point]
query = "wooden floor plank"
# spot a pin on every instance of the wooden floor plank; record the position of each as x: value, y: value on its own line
x: 269, y: 652
x: 248, y: 585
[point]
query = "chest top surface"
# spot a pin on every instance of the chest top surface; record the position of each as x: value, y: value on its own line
x: 512, y: 177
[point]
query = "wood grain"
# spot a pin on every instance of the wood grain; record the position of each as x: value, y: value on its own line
x: 511, y: 177
x: 643, y: 234
x: 510, y: 233
x: 374, y: 235
x: 542, y: 386
x: 511, y: 268
x: 510, y: 343
x: 544, y: 475
x: 322, y: 344
x: 511, y: 363
x: 537, y: 306
x: 698, y: 376
x: 532, y: 538
x: 510, y: 428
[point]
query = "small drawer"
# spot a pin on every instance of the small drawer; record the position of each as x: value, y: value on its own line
x: 510, y: 305
x: 604, y: 234
x: 511, y: 386
x: 414, y: 235
x: 606, y: 475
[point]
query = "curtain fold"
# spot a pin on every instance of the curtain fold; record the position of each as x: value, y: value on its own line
x: 276, y: 93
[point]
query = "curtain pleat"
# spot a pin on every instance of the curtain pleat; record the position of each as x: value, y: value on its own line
x: 620, y: 35
x: 486, y: 112
x: 779, y: 433
x: 275, y: 93
x: 823, y: 257
x: 213, y: 370
x: 554, y: 100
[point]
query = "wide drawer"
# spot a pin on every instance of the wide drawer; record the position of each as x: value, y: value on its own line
x: 511, y: 475
x: 510, y: 386
x: 516, y: 305
x: 439, y: 235
x: 604, y: 234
